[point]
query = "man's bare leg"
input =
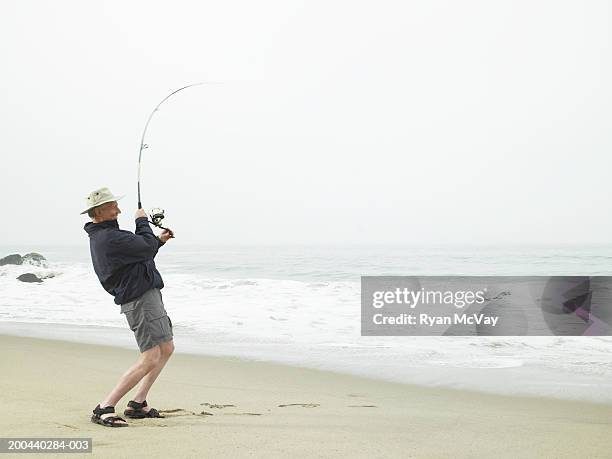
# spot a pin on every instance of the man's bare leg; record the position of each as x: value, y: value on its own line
x: 166, y: 350
x: 147, y: 361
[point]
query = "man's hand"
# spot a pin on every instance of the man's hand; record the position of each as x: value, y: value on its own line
x: 140, y: 213
x: 165, y: 235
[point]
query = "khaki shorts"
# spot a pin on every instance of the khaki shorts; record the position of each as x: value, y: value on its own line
x: 148, y: 319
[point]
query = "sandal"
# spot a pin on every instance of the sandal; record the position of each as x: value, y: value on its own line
x: 135, y: 411
x: 106, y: 417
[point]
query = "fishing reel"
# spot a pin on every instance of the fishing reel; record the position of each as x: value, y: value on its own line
x: 157, y: 216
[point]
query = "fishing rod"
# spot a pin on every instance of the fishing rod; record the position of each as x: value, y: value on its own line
x: 157, y: 214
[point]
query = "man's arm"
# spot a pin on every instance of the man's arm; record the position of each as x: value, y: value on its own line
x: 133, y: 248
x: 143, y: 229
x: 128, y: 248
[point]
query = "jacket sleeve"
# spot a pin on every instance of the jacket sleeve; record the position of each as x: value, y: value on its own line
x: 133, y: 248
x: 143, y: 228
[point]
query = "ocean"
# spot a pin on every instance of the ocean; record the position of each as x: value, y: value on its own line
x: 300, y: 305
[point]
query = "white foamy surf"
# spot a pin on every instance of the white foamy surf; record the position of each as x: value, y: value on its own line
x: 304, y: 309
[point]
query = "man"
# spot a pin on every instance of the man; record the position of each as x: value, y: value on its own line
x: 124, y: 263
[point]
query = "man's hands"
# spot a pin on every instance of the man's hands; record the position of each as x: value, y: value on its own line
x: 140, y: 213
x: 165, y: 235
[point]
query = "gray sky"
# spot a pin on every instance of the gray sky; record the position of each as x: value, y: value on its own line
x: 380, y: 122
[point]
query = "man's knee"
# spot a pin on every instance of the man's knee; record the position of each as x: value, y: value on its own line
x: 166, y: 348
x: 151, y: 357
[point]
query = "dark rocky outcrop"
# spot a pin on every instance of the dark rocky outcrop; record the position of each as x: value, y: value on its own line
x: 14, y: 259
x: 31, y: 258
x: 29, y: 277
x: 34, y: 258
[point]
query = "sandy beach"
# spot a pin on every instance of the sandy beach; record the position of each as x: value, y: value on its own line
x: 226, y: 407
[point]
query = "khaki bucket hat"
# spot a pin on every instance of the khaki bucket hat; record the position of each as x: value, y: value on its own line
x: 98, y: 197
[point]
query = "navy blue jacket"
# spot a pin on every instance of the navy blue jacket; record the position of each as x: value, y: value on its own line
x: 122, y: 260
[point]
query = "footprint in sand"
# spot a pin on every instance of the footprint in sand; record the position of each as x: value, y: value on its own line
x: 66, y: 425
x: 177, y: 412
x: 303, y: 405
x: 212, y: 405
x: 242, y: 414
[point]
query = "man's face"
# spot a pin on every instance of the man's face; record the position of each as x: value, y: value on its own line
x: 108, y: 211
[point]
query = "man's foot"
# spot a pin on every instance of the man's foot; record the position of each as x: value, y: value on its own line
x: 136, y: 410
x: 107, y: 417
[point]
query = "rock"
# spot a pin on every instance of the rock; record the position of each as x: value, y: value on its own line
x: 29, y: 277
x: 35, y: 259
x: 14, y: 259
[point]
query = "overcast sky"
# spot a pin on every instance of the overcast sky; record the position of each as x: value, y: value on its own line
x: 332, y: 122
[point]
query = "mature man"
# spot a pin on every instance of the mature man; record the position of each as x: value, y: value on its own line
x: 124, y: 263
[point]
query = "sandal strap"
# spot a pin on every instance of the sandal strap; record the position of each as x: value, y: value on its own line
x: 112, y: 418
x: 136, y: 405
x: 98, y: 410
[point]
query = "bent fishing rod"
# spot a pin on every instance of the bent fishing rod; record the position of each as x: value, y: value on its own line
x: 157, y: 214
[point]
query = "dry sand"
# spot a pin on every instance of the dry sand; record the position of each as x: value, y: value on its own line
x: 49, y: 389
